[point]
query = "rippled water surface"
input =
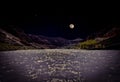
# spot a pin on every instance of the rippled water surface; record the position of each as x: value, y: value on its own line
x: 60, y: 65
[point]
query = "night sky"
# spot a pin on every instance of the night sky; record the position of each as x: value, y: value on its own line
x: 56, y: 24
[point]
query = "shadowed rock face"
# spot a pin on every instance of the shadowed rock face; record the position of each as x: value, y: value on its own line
x: 9, y: 38
x: 58, y: 65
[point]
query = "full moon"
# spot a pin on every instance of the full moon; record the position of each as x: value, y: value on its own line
x: 71, y: 26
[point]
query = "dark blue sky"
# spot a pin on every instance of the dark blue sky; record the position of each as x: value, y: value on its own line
x: 56, y: 25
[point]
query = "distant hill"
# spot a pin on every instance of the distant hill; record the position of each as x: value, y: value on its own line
x: 108, y: 38
x: 112, y: 40
x: 12, y: 37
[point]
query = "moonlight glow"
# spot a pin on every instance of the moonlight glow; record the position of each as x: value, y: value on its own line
x: 71, y: 26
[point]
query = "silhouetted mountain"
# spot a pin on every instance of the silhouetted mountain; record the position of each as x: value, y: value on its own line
x: 105, y: 34
x: 14, y: 36
x: 112, y: 40
x: 6, y: 37
x: 108, y: 38
x: 49, y: 41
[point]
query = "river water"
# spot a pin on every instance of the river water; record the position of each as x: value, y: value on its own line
x: 60, y: 65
